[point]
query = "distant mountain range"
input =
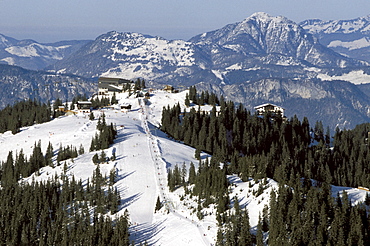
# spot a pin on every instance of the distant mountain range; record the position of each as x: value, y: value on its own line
x: 260, y: 59
x: 30, y: 54
x: 348, y: 37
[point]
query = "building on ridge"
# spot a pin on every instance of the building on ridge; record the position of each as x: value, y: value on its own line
x: 108, y: 86
x: 269, y: 107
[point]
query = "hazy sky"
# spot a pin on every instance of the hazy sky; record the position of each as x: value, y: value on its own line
x: 55, y: 20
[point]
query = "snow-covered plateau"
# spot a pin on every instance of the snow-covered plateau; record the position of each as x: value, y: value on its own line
x: 143, y: 156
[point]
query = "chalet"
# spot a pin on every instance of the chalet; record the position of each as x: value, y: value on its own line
x: 83, y: 106
x: 126, y: 107
x: 61, y: 108
x: 108, y: 86
x: 65, y: 111
x: 168, y: 88
x: 268, y: 107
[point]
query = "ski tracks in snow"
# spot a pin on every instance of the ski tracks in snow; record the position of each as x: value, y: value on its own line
x: 161, y: 175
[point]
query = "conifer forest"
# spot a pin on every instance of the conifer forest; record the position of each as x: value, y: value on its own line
x: 290, y: 151
x: 58, y: 211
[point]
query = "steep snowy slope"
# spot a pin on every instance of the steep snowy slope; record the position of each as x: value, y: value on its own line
x: 140, y: 167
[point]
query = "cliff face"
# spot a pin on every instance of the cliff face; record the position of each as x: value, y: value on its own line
x: 18, y: 84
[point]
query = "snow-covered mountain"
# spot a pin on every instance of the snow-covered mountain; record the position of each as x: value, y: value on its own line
x: 132, y: 55
x: 260, y: 50
x: 143, y: 157
x: 272, y: 40
x: 256, y: 43
x: 348, y: 37
x: 30, y: 54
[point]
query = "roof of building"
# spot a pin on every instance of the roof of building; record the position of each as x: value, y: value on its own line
x: 267, y: 104
x: 84, y: 102
x: 112, y: 80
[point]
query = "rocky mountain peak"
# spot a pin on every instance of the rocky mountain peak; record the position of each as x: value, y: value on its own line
x: 263, y: 17
x: 265, y: 35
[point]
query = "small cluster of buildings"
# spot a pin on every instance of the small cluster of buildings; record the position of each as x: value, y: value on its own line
x: 109, y: 86
x: 79, y: 107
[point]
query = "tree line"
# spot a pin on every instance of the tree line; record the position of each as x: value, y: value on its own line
x: 23, y: 113
x: 271, y: 146
x: 60, y: 211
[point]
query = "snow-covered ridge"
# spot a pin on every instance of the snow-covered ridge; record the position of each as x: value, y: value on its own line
x: 355, y: 77
x: 30, y: 54
x: 263, y: 17
x: 37, y: 50
x: 361, y: 24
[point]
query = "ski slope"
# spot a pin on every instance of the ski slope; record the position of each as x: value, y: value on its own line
x: 143, y: 155
x: 140, y: 166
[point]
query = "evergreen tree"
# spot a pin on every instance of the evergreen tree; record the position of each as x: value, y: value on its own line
x: 187, y: 101
x: 158, y: 205
x: 91, y: 116
x: 49, y: 155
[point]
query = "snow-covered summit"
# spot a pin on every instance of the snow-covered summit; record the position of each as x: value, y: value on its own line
x: 265, y: 35
x: 265, y: 17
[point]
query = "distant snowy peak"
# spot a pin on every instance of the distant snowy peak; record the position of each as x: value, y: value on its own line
x: 316, y: 26
x: 30, y: 54
x: 348, y: 37
x: 259, y: 33
x: 263, y: 17
x: 132, y: 55
x: 6, y: 41
x: 37, y: 50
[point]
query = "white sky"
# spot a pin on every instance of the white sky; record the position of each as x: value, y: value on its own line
x: 55, y: 20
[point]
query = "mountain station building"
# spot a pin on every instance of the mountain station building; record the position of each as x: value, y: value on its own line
x: 109, y: 86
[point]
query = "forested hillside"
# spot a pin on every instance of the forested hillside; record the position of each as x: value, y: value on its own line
x: 61, y: 210
x: 271, y: 146
x: 288, y: 150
